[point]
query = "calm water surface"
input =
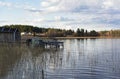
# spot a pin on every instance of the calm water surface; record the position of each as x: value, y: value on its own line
x: 79, y: 59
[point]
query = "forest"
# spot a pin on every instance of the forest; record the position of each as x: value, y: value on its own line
x: 53, y: 32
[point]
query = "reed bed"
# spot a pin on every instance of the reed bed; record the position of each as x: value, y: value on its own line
x: 9, y: 55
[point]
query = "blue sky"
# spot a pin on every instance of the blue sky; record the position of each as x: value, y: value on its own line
x: 65, y: 14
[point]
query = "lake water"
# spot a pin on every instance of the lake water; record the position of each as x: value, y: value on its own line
x: 79, y: 59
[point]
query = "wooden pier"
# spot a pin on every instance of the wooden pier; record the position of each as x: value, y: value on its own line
x: 56, y: 44
x: 36, y: 42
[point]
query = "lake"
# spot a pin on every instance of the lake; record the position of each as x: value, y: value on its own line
x: 79, y: 59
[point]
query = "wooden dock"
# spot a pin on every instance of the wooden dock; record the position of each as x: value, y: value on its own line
x: 36, y: 42
x: 56, y: 44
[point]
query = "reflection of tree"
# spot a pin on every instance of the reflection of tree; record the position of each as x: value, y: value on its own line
x: 46, y: 61
x: 55, y: 59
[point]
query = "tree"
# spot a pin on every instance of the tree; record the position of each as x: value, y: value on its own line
x: 69, y: 32
x: 86, y: 33
x: 94, y: 33
x: 51, y: 33
x: 78, y: 32
x: 82, y: 32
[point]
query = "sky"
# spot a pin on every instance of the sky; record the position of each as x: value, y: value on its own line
x: 64, y: 14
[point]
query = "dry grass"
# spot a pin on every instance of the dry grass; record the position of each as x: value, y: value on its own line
x: 9, y: 55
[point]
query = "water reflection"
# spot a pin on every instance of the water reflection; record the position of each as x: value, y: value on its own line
x: 80, y: 59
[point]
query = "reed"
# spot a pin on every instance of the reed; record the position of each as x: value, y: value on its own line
x: 9, y: 55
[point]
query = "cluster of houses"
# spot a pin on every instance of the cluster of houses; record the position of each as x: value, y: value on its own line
x: 32, y: 34
x: 9, y: 34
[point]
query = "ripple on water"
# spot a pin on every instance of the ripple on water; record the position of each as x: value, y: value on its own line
x: 91, y: 60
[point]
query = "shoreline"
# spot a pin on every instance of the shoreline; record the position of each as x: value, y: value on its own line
x: 85, y: 37
x: 100, y: 37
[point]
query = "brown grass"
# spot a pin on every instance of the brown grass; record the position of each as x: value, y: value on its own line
x: 10, y: 54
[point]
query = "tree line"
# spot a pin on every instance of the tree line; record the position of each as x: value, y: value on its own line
x: 111, y: 33
x: 52, y: 32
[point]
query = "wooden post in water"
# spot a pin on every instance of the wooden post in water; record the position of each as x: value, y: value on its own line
x: 42, y: 74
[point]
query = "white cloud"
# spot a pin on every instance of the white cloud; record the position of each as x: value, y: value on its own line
x: 72, y: 12
x: 79, y: 5
x: 16, y: 5
x: 38, y: 20
x: 45, y: 4
x: 58, y: 18
x: 108, y: 4
x: 7, y: 4
x: 69, y: 5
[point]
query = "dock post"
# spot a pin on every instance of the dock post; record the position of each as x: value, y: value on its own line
x: 42, y: 74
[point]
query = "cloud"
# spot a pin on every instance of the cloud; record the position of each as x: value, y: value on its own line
x: 69, y: 5
x: 79, y: 5
x: 71, y: 12
x: 17, y: 5
x: 3, y: 21
x: 108, y: 4
x: 47, y: 3
x: 7, y: 4
x: 63, y: 19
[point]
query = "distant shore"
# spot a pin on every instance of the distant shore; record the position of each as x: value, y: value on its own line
x: 101, y: 37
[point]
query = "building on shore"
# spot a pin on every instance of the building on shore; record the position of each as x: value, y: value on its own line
x: 9, y: 34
